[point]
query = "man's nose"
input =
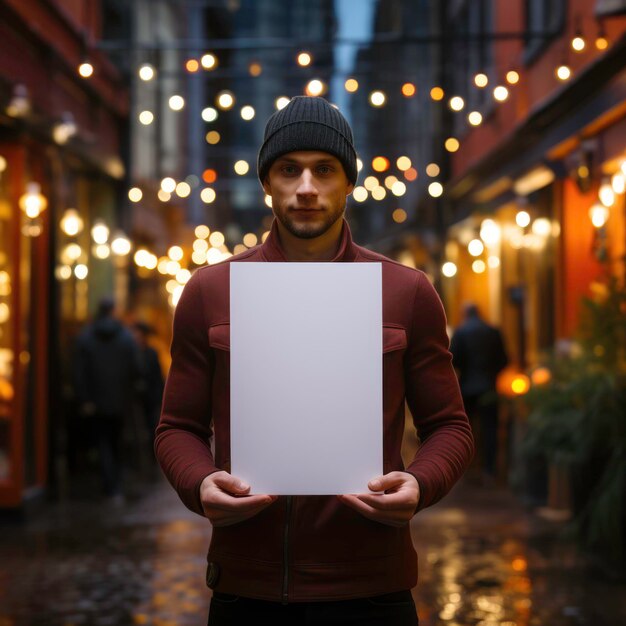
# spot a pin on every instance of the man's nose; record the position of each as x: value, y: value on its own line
x: 306, y: 184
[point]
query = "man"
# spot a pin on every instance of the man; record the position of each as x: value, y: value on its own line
x: 344, y: 559
x: 479, y: 356
x: 106, y: 372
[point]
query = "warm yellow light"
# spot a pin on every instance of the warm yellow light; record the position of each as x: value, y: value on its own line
x: 71, y: 222
x: 432, y: 170
x: 618, y: 182
x: 475, y: 247
x: 399, y: 216
x: 164, y: 196
x: 200, y: 245
x: 71, y: 252
x: 239, y: 248
x: 378, y: 98
x: 452, y: 144
x: 192, y: 66
x: 410, y: 174
x: 177, y: 103
x: 520, y: 384
x: 208, y: 61
x: 379, y: 193
x: 268, y: 201
x: 250, y: 240
x: 403, y: 163
x: 380, y: 164
x: 172, y: 267
x: 493, y: 261
x: 371, y: 182
x: 542, y: 227
x: 481, y: 80
x: 141, y: 257
x: 162, y: 265
x: 563, y: 72
x: 500, y: 93
x: 457, y: 103
x: 225, y: 100
x: 102, y: 251
x: 168, y: 184
x: 183, y: 276
x: 100, y: 232
x: 315, y: 87
x: 475, y: 118
x: 146, y: 72
x: 175, y: 253
x: 85, y: 70
x: 81, y: 271
x: 522, y: 219
x: 120, y: 245
x: 512, y: 77
x: 360, y: 194
x: 390, y: 180
x: 578, y: 43
x: 448, y: 269
x: 435, y: 189
x: 398, y: 188
x: 208, y: 195
x: 541, y: 375
x: 478, y: 266
x: 606, y: 193
x: 408, y: 90
x: 602, y: 43
x: 247, y: 112
x: 437, y: 93
x: 146, y: 117
x: 304, y: 59
x: 33, y: 202
x: 255, y: 69
x: 599, y: 214
x: 281, y: 102
x: 213, y: 137
x: 241, y: 167
x: 201, y: 231
x: 359, y: 165
x: 135, y: 194
x: 216, y: 239
x: 209, y: 114
x: 3, y: 164
x: 490, y: 232
x: 351, y: 85
x: 183, y: 189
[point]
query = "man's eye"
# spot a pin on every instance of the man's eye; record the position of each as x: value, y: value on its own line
x: 324, y: 169
x: 288, y: 169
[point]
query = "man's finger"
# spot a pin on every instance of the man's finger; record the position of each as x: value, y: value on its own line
x: 230, y: 483
x: 388, y: 502
x: 226, y: 502
x: 388, y: 481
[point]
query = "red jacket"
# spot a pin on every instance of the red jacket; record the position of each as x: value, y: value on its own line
x: 314, y: 547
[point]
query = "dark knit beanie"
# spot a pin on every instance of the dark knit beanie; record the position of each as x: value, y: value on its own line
x: 308, y: 123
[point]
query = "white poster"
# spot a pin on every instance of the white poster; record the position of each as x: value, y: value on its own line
x: 306, y: 376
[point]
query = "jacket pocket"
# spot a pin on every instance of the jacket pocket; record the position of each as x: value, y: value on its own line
x: 219, y: 336
x: 394, y: 338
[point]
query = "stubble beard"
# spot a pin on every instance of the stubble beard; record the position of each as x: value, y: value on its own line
x: 309, y: 230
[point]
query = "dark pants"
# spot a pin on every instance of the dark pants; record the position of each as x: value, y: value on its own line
x: 392, y: 609
x: 484, y: 410
x: 108, y: 434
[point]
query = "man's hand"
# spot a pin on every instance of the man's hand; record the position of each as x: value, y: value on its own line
x: 225, y: 501
x: 395, y: 506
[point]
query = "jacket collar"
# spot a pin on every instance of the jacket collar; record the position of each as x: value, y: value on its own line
x: 272, y: 250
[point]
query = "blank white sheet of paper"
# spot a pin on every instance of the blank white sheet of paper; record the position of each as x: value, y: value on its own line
x: 306, y: 376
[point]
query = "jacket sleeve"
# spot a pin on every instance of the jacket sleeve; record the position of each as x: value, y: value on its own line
x: 433, y: 396
x: 182, y: 442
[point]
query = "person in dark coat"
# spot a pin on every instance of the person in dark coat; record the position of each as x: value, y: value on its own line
x: 151, y: 387
x: 106, y: 372
x: 479, y: 355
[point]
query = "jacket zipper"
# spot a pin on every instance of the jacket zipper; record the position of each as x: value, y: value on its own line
x: 286, y: 552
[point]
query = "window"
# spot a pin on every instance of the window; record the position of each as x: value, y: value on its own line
x: 544, y: 21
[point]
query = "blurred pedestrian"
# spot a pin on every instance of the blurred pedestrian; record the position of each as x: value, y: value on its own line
x: 151, y: 381
x: 106, y: 372
x: 321, y: 559
x: 479, y: 356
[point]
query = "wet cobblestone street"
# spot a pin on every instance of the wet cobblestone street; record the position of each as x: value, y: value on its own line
x: 483, y: 561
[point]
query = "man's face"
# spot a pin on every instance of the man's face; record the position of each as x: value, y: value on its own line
x: 308, y: 191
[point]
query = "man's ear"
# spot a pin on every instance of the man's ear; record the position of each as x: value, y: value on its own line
x: 267, y: 188
x: 350, y: 189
